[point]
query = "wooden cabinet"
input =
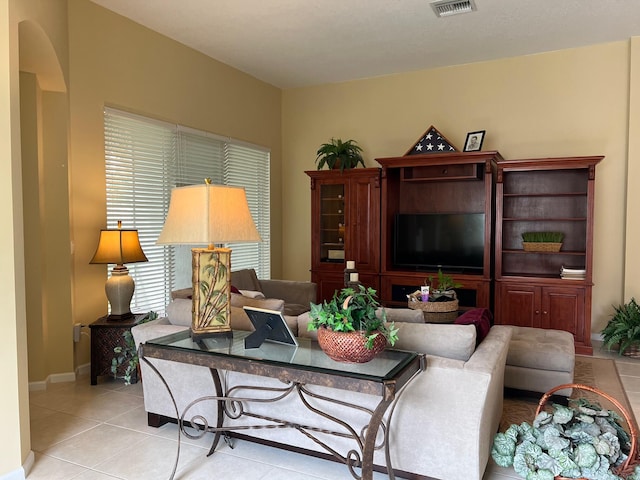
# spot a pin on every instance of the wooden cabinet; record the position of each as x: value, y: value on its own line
x: 345, y: 225
x: 438, y: 184
x: 105, y: 336
x: 550, y: 194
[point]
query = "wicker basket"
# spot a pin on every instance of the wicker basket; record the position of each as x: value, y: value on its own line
x: 541, y: 246
x: 432, y: 307
x: 632, y: 351
x: 629, y: 464
x: 349, y: 347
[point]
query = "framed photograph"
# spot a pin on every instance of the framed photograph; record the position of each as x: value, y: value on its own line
x: 474, y: 141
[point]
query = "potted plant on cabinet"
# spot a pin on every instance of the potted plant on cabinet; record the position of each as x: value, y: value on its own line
x: 623, y: 330
x: 351, y: 326
x: 444, y: 289
x: 339, y: 154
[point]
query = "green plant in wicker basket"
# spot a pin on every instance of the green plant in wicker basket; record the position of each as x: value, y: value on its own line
x: 581, y: 441
x: 623, y: 330
x: 543, y: 237
x: 445, y: 287
x: 359, y: 314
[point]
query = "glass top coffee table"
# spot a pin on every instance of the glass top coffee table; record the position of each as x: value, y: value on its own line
x: 298, y: 367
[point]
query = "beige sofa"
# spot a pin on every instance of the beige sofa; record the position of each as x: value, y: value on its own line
x: 443, y: 424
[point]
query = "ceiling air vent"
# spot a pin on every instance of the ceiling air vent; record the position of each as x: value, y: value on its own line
x: 446, y: 8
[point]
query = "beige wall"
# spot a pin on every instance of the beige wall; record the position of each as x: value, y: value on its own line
x: 632, y: 259
x: 116, y: 62
x: 565, y: 103
x: 13, y: 354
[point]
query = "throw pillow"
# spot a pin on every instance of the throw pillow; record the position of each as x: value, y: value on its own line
x: 246, y: 279
x: 179, y: 312
x: 182, y: 293
x: 266, y: 303
x: 250, y: 293
x: 481, y: 318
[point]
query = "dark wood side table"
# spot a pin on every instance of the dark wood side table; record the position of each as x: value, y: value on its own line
x: 105, y: 336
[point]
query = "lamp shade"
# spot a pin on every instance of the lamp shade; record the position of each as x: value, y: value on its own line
x: 208, y: 214
x: 118, y: 246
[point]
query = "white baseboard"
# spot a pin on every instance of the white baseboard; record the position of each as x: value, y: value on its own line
x: 21, y: 472
x: 55, y: 378
x: 84, y: 369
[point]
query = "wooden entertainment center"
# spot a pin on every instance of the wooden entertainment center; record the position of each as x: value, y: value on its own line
x: 436, y: 183
x: 354, y: 215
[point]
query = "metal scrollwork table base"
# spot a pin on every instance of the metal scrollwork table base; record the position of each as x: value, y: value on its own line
x: 299, y: 368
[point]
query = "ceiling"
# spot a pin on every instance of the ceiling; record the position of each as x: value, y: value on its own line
x: 296, y: 43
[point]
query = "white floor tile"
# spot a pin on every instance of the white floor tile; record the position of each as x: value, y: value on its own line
x: 93, y: 446
x: 151, y: 459
x: 57, y: 428
x: 49, y: 468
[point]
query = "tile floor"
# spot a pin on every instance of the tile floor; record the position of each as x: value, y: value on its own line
x: 85, y: 432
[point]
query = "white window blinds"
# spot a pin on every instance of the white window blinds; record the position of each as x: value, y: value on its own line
x: 145, y: 159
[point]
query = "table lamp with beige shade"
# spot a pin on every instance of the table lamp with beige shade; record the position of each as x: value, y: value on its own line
x: 209, y: 215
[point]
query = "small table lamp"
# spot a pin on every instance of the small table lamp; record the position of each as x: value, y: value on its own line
x: 207, y: 215
x: 119, y: 246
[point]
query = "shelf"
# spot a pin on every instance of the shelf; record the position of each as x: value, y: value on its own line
x: 532, y: 276
x: 561, y: 252
x: 541, y: 219
x: 565, y: 194
x: 438, y: 173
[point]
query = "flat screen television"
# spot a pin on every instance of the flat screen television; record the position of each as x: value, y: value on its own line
x: 447, y: 241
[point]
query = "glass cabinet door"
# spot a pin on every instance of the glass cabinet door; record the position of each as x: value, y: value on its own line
x: 332, y: 223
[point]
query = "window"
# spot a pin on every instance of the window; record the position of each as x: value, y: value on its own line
x: 145, y: 159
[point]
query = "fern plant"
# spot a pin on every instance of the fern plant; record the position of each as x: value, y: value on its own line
x: 623, y: 330
x: 337, y: 153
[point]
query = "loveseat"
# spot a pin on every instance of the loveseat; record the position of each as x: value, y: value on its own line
x: 442, y: 426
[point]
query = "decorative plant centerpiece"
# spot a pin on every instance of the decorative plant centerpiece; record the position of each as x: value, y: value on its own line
x: 339, y: 154
x: 445, y: 288
x: 542, y: 241
x: 351, y: 326
x: 623, y: 330
x: 127, y: 355
x: 582, y: 441
x: 441, y: 296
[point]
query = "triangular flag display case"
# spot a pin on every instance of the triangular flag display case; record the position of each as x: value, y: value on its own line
x: 431, y: 141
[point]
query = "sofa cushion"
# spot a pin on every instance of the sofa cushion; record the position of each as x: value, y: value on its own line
x: 182, y: 293
x: 266, y: 303
x: 250, y: 293
x: 443, y: 340
x: 179, y: 312
x: 295, y: 309
x: 403, y: 315
x: 457, y: 342
x: 479, y: 317
x: 246, y: 279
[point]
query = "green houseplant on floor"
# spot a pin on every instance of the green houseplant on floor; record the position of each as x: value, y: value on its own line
x: 623, y: 330
x: 339, y: 154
